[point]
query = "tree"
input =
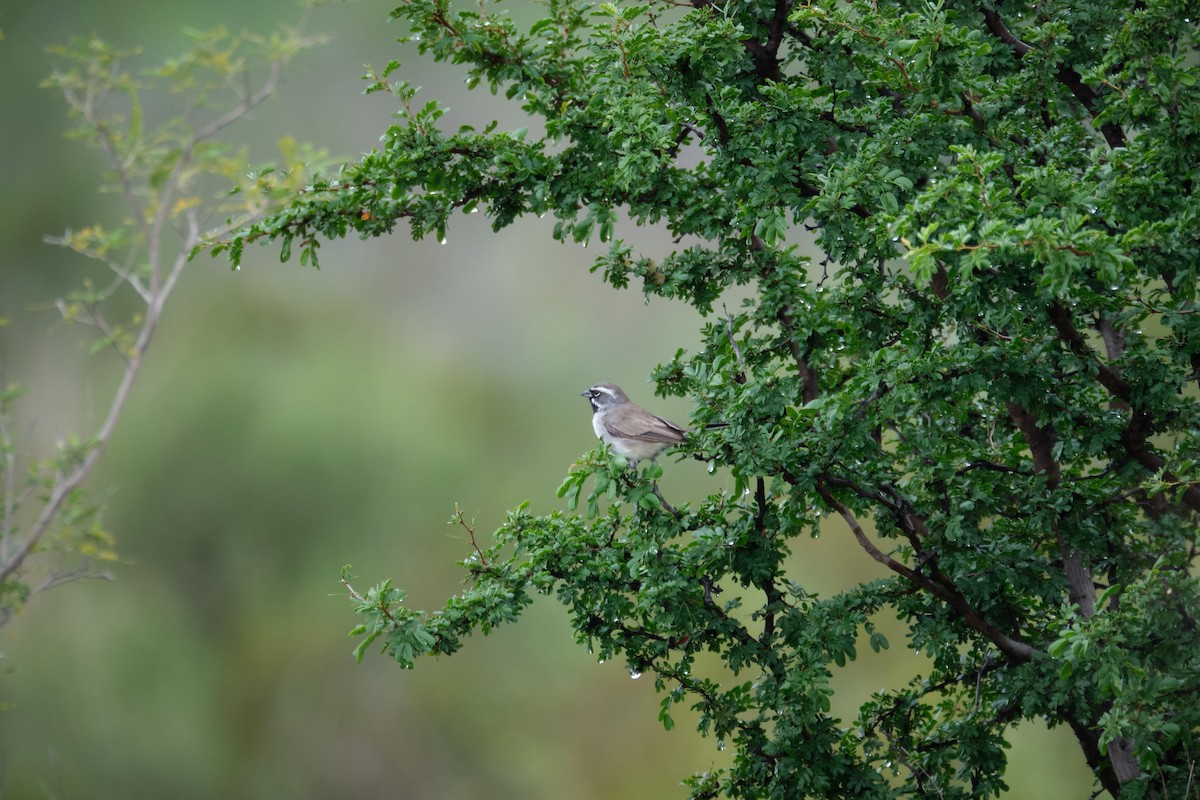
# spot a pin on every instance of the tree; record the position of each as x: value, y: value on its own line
x: 993, y: 363
x: 171, y: 179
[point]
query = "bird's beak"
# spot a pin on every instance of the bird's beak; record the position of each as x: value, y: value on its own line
x: 584, y: 393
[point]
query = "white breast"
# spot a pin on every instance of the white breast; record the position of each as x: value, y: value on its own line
x: 601, y: 431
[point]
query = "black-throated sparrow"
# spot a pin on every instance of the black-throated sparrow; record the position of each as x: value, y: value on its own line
x: 627, y: 428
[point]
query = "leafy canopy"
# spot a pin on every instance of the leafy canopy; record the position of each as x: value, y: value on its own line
x: 993, y: 365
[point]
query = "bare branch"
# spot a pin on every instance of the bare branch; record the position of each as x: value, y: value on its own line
x: 70, y: 576
x: 154, y: 293
x: 10, y: 481
x: 462, y: 522
x: 124, y: 274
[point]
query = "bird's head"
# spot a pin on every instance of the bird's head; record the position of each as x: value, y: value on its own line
x: 605, y: 395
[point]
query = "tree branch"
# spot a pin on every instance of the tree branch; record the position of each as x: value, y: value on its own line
x: 1060, y: 316
x: 778, y: 27
x: 1041, y: 439
x: 10, y: 478
x: 774, y: 598
x: 1135, y: 436
x: 1017, y: 651
x: 67, y: 482
x: 1001, y: 32
x: 1067, y: 76
x: 153, y: 293
x: 1080, y: 584
x: 810, y: 388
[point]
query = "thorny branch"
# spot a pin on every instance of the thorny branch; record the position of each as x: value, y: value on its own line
x: 462, y: 522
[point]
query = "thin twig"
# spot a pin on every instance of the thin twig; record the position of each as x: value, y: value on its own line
x: 61, y: 578
x: 670, y: 508
x: 458, y: 514
x: 10, y: 480
x: 354, y: 594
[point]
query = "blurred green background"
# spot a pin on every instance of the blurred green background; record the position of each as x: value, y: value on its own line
x: 291, y: 421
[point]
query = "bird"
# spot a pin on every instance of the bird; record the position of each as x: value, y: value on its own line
x: 627, y: 428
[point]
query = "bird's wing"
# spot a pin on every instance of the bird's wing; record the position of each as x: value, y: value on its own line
x: 647, y: 428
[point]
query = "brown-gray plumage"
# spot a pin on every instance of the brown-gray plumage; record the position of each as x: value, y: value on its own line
x: 627, y: 428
